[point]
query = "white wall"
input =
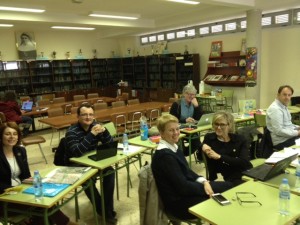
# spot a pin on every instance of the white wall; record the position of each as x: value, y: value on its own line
x: 280, y: 56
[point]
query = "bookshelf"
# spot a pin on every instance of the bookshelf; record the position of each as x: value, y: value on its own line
x: 227, y: 70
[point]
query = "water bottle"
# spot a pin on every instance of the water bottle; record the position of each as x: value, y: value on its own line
x: 284, y: 197
x: 297, y: 183
x: 125, y: 144
x: 38, y: 186
x: 144, y: 129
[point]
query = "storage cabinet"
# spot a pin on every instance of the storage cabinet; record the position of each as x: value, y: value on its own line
x: 140, y: 75
x: 62, y: 75
x: 227, y: 70
x: 98, y: 72
x: 114, y: 71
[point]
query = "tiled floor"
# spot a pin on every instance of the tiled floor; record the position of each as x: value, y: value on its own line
x: 126, y: 207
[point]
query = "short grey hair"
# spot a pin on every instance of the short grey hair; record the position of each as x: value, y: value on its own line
x: 189, y: 88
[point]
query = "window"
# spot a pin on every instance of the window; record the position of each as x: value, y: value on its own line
x: 191, y: 32
x: 266, y: 21
x: 170, y: 36
x: 217, y: 28
x: 152, y: 38
x: 230, y: 26
x: 161, y: 37
x: 144, y: 40
x: 180, y: 34
x: 243, y: 24
x: 204, y: 30
x: 284, y: 18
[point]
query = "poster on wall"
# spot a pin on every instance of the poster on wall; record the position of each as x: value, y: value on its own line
x: 251, y: 66
x: 26, y: 45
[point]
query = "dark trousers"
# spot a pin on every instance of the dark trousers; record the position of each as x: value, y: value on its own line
x: 108, y: 188
x: 195, y: 145
x: 28, y: 120
x: 180, y: 209
x: 287, y: 143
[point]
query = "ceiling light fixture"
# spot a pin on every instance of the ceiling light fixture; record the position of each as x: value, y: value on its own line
x: 6, y: 25
x: 5, y: 8
x: 72, y: 28
x: 113, y: 15
x: 185, y: 2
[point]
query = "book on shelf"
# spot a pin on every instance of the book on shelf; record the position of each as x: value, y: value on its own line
x: 233, y: 78
x: 217, y: 78
x: 65, y: 175
x: 209, y: 77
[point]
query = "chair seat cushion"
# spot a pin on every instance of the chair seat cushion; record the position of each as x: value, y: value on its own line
x: 33, y: 140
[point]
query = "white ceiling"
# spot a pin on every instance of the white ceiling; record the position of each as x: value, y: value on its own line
x: 156, y: 15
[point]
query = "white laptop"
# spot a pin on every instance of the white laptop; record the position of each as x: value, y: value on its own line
x: 206, y: 119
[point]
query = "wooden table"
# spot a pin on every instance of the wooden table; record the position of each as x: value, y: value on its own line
x: 103, y: 114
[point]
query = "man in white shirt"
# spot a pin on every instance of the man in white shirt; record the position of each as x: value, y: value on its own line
x: 279, y: 120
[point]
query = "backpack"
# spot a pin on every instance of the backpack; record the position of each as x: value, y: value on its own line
x: 59, y: 156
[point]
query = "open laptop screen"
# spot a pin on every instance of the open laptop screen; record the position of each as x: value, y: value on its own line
x: 27, y: 106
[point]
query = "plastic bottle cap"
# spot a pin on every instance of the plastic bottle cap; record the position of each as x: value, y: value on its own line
x: 285, y: 181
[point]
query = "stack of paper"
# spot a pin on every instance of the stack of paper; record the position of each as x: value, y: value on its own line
x: 277, y: 156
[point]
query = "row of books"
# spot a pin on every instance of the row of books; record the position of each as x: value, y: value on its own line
x: 212, y: 77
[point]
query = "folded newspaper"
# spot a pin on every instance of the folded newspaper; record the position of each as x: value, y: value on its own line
x: 65, y: 175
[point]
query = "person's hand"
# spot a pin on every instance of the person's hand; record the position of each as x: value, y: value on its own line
x: 195, y: 102
x: 97, y: 129
x: 190, y: 120
x: 210, y: 153
x: 206, y: 148
x: 207, y: 188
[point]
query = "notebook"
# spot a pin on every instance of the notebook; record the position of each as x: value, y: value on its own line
x: 27, y: 106
x: 49, y: 190
x: 267, y: 171
x: 105, y: 151
x: 206, y: 119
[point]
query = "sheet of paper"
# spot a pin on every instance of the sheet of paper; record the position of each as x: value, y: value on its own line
x: 277, y: 156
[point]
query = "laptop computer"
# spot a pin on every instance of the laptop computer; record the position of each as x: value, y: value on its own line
x: 206, y: 119
x: 27, y: 106
x: 267, y: 171
x: 105, y: 151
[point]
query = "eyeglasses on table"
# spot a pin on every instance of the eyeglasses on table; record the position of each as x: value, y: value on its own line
x: 244, y: 198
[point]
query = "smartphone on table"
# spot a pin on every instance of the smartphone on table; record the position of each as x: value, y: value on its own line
x: 220, y: 199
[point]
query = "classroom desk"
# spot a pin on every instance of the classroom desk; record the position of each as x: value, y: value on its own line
x: 236, y: 214
x: 147, y: 143
x: 103, y: 114
x: 47, y: 202
x: 103, y: 164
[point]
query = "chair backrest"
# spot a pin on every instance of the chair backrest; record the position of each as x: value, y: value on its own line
x: 133, y: 101
x: 260, y: 120
x: 67, y: 108
x: 74, y: 110
x: 247, y: 105
x: 43, y: 102
x: 173, y: 100
x: 118, y: 104
x: 59, y: 100
x: 153, y: 115
x: 111, y: 128
x: 92, y: 95
x: 2, y: 118
x: 101, y: 105
x: 55, y: 112
x: 78, y: 97
x: 120, y: 121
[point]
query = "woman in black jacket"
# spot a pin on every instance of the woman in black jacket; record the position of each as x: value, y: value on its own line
x: 187, y: 110
x: 178, y: 186
x: 14, y: 168
x: 226, y: 152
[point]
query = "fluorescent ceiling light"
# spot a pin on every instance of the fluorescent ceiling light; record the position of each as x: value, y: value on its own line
x: 5, y: 8
x: 73, y: 28
x: 114, y: 15
x: 6, y: 25
x: 185, y: 2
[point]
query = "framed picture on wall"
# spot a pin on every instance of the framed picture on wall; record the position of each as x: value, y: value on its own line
x: 216, y: 49
x: 26, y: 45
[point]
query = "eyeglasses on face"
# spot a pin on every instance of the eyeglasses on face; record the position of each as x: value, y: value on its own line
x: 222, y: 125
x: 248, y: 196
x: 87, y: 115
x: 191, y: 94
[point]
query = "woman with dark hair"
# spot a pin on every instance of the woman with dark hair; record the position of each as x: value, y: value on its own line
x: 12, y: 111
x: 14, y: 168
